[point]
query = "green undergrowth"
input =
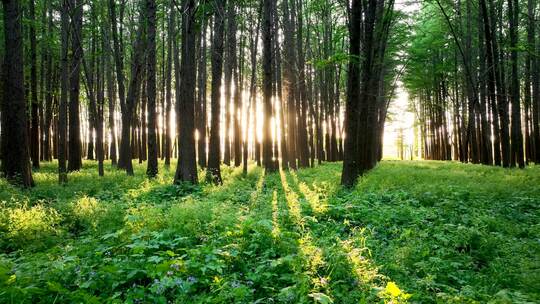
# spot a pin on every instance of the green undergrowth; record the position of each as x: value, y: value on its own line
x: 410, y: 232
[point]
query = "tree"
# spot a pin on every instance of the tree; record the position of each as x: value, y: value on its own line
x: 350, y: 164
x: 128, y: 106
x: 74, y: 155
x: 15, y: 153
x: 201, y: 107
x: 517, y: 155
x: 152, y: 168
x: 267, y: 38
x: 214, y: 153
x: 186, y: 169
x: 62, y: 107
x: 289, y: 84
x: 168, y: 81
x: 34, y: 133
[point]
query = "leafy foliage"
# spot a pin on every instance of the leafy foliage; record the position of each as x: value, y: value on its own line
x: 422, y: 232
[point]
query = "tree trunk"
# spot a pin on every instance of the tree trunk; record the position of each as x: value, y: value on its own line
x: 62, y: 107
x: 186, y: 169
x: 517, y: 135
x: 268, y: 37
x: 201, y: 102
x: 350, y: 164
x: 168, y: 80
x: 34, y: 133
x: 15, y: 153
x: 535, y: 75
x: 289, y: 83
x: 213, y: 171
x: 74, y: 155
x: 152, y: 165
x: 129, y: 107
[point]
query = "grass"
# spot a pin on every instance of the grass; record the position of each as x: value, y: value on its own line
x: 417, y: 232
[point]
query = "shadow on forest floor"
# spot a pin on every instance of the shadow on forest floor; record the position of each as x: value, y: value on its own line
x: 445, y: 232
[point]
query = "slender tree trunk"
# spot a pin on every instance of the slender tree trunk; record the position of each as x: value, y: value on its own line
x: 350, y: 164
x: 74, y: 155
x: 254, y: 39
x: 119, y: 67
x: 202, y: 104
x: 187, y: 165
x: 152, y: 165
x: 289, y: 83
x: 111, y: 96
x: 268, y: 37
x: 213, y: 171
x: 168, y: 80
x: 62, y: 107
x: 34, y: 134
x: 535, y: 74
x: 236, y: 117
x: 517, y: 155
x: 502, y: 101
x: 130, y: 103
x: 49, y: 91
x: 230, y: 54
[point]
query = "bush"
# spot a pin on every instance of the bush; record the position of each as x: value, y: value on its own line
x: 32, y: 227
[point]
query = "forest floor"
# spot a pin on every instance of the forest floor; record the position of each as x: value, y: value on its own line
x: 419, y: 232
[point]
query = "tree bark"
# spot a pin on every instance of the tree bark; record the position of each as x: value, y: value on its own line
x: 186, y: 169
x: 15, y: 153
x: 74, y: 155
x: 213, y: 170
x: 517, y: 156
x: 34, y: 133
x: 350, y: 163
x: 268, y: 37
x: 152, y: 165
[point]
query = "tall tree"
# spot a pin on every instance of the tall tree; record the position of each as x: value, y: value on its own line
x: 267, y: 39
x: 152, y: 168
x: 186, y: 169
x: 15, y: 153
x: 350, y: 163
x: 128, y: 106
x: 74, y: 155
x: 168, y: 80
x: 201, y: 120
x: 517, y: 135
x: 289, y: 83
x: 535, y: 77
x: 34, y: 129
x: 214, y: 155
x: 63, y: 105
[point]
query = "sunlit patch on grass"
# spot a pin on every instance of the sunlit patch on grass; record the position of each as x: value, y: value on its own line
x: 317, y: 199
x: 275, y: 215
x: 294, y: 209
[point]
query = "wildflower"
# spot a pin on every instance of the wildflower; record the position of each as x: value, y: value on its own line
x: 235, y: 284
x: 178, y: 282
x: 170, y: 273
x: 192, y: 279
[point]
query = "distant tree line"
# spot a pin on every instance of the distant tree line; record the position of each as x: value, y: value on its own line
x: 473, y: 72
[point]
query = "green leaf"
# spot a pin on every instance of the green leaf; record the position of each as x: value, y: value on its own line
x: 320, y: 297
